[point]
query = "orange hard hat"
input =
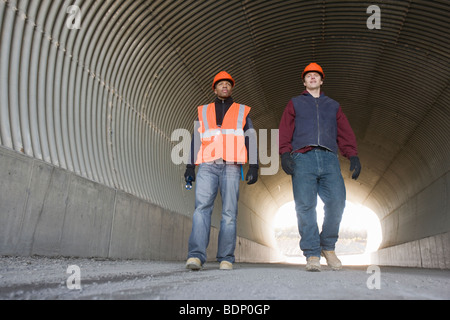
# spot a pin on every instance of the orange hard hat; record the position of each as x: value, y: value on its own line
x: 222, y: 76
x: 313, y: 67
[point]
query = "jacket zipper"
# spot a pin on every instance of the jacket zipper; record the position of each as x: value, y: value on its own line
x: 223, y: 110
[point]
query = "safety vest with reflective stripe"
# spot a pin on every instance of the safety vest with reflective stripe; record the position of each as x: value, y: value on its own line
x: 226, y: 142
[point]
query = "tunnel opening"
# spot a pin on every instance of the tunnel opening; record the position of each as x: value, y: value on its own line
x: 360, y: 234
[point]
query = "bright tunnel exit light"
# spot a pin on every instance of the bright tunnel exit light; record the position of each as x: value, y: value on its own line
x: 360, y: 234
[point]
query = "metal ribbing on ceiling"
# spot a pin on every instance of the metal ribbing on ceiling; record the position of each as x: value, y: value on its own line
x: 104, y: 100
x: 79, y: 104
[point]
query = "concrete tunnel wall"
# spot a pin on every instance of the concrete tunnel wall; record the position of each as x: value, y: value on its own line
x: 87, y: 117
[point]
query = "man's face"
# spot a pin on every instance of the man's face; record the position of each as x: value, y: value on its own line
x: 223, y: 89
x: 313, y: 80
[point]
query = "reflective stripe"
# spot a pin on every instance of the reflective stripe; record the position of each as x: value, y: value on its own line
x: 205, y: 117
x: 210, y: 133
x: 240, y: 119
x: 217, y: 132
x: 238, y: 132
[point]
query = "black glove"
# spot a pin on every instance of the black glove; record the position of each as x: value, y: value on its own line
x: 190, y: 173
x: 252, y: 175
x: 287, y: 163
x: 356, y: 166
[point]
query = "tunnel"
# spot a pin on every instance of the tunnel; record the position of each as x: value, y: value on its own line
x: 98, y: 98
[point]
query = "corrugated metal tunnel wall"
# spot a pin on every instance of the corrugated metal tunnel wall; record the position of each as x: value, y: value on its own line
x: 92, y: 92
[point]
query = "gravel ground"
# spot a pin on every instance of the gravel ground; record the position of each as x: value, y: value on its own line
x: 41, y: 278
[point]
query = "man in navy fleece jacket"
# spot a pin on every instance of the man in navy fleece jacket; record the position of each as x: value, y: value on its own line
x: 313, y: 129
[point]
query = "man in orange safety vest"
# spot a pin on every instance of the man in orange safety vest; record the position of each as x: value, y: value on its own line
x: 227, y: 141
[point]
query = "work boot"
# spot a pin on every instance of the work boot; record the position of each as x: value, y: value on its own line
x: 194, y: 264
x: 332, y: 260
x: 225, y: 265
x: 313, y: 264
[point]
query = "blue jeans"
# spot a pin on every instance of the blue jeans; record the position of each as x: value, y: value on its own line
x: 212, y: 177
x: 318, y: 172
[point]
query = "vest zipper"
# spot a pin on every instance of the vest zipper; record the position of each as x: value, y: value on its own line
x: 223, y: 112
x: 318, y: 122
